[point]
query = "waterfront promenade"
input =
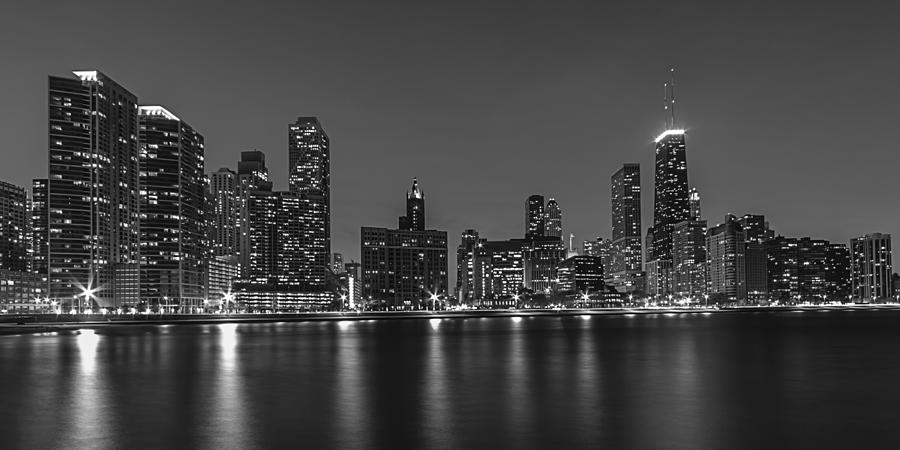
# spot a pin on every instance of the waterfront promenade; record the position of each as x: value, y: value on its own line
x: 12, y: 324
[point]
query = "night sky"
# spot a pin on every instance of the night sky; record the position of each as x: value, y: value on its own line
x: 792, y: 108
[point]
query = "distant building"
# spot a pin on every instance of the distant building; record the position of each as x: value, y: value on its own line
x: 725, y: 259
x: 173, y: 203
x: 534, y: 217
x: 542, y: 256
x: 553, y: 220
x: 624, y: 268
x: 499, y: 271
x: 689, y: 258
x: 403, y: 268
x: 252, y: 176
x: 870, y: 269
x: 581, y: 274
x: 659, y: 278
x: 39, y: 230
x: 694, y: 202
x: 14, y: 219
x: 414, y: 219
x: 465, y: 266
x: 337, y: 263
x: 225, y: 214
x: 807, y: 270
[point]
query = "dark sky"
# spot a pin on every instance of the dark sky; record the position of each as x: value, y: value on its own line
x: 792, y: 108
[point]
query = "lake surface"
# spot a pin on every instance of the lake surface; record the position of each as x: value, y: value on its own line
x: 715, y: 381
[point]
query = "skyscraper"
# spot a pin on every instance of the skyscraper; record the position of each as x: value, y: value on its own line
x: 870, y: 267
x: 252, y: 176
x: 499, y: 271
x: 39, y: 230
x: 626, y: 264
x: 671, y: 204
x: 404, y: 267
x: 757, y: 231
x: 534, y: 217
x: 465, y: 266
x: 93, y: 190
x: 225, y: 212
x: 553, y: 220
x: 725, y: 246
x: 689, y: 258
x: 415, y: 209
x: 694, y: 201
x: 173, y: 203
x: 309, y: 162
x: 14, y: 220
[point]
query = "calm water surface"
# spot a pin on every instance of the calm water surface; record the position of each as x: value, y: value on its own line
x: 721, y: 381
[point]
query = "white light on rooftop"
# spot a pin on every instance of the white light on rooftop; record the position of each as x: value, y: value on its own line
x: 668, y: 133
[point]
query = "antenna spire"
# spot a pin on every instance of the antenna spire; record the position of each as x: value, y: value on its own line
x: 666, y: 104
x: 672, y: 96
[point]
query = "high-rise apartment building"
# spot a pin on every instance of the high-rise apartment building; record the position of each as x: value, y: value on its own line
x: 93, y: 200
x: 626, y: 264
x: 726, y: 276
x: 173, y: 203
x: 870, y: 267
x: 309, y: 162
x: 465, y: 266
x: 252, y: 175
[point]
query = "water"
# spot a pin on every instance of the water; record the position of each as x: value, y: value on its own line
x: 766, y: 380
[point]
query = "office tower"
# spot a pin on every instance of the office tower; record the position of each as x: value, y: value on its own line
x: 591, y: 247
x: 689, y: 258
x: 93, y: 196
x: 309, y: 162
x: 553, y: 220
x: 534, y: 217
x: 405, y: 267
x: 415, y: 209
x: 173, y: 203
x: 542, y: 257
x: 870, y: 267
x: 581, y: 274
x: 756, y: 227
x: 626, y: 264
x: 354, y: 284
x: 224, y: 212
x: 252, y: 175
x: 671, y: 204
x: 282, y: 275
x: 499, y: 272
x: 14, y: 219
x: 659, y: 278
x: 337, y: 263
x: 756, y: 260
x: 807, y: 270
x: 694, y: 202
x: 725, y: 246
x: 465, y: 266
x: 837, y: 272
x: 39, y: 228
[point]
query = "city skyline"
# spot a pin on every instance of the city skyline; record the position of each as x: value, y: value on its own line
x: 608, y: 112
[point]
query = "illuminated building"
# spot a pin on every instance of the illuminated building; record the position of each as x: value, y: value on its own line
x: 282, y: 274
x: 173, y: 202
x: 756, y: 260
x: 542, y: 256
x: 671, y: 204
x: 689, y: 258
x: 252, y: 176
x: 659, y: 277
x: 14, y: 219
x: 807, y: 270
x: 39, y: 230
x: 499, y: 271
x: 694, y: 202
x: 337, y: 263
x: 465, y: 266
x: 225, y: 212
x: 725, y: 246
x: 870, y: 267
x: 93, y: 200
x: 534, y: 217
x: 404, y: 267
x: 309, y: 162
x: 624, y: 271
x: 583, y: 274
x: 414, y: 219
x: 553, y: 220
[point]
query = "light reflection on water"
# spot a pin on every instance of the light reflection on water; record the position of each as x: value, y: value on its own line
x: 691, y: 381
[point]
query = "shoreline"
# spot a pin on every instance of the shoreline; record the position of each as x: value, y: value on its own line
x: 39, y: 327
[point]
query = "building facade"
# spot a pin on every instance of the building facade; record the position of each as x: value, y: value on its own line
x: 173, y: 203
x: 726, y: 276
x: 624, y: 272
x: 534, y: 216
x: 93, y: 200
x: 870, y: 267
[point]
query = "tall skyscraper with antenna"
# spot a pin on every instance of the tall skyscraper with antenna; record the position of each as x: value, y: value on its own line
x: 670, y: 197
x: 671, y: 203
